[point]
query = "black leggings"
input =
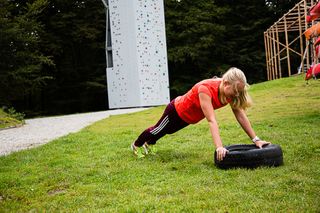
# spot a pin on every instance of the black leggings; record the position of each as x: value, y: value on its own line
x: 169, y: 123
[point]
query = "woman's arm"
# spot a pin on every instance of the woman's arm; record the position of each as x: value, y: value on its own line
x: 208, y: 111
x: 246, y: 126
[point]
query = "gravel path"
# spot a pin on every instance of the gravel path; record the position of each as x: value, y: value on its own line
x: 43, y: 130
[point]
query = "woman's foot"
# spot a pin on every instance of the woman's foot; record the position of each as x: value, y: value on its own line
x: 137, y: 151
x: 149, y: 149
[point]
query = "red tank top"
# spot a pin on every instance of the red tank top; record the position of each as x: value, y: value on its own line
x: 188, y: 105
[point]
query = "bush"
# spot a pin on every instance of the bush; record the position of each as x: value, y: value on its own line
x: 12, y: 113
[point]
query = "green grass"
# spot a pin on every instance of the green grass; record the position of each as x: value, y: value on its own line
x: 94, y: 170
x: 8, y: 120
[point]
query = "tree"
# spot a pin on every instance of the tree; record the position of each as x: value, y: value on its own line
x: 52, y: 56
x: 22, y: 61
x: 75, y: 36
x: 280, y: 7
x: 243, y: 44
x: 194, y: 30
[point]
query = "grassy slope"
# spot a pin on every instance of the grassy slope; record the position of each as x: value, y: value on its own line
x: 94, y: 169
x: 6, y: 121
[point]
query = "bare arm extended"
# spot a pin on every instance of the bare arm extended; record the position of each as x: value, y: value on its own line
x: 246, y: 126
x: 208, y: 111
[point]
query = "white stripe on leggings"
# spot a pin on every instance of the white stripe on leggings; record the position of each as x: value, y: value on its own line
x: 159, y: 128
x: 163, y: 123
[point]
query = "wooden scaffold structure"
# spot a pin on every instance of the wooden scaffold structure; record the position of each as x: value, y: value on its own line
x: 287, y: 50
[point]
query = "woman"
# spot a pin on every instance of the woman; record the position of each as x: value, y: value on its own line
x: 200, y: 102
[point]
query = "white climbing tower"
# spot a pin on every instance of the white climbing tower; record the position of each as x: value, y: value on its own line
x: 137, y: 70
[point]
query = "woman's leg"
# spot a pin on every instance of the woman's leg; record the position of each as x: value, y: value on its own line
x: 169, y: 123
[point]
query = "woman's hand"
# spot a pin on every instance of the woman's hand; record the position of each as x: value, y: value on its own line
x: 221, y: 153
x: 261, y: 143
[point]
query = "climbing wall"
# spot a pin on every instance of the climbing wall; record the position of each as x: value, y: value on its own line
x: 139, y: 72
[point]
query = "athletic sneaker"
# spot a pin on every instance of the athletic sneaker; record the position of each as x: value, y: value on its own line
x: 137, y: 151
x: 149, y: 149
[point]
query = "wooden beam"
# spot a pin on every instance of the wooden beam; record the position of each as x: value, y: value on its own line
x: 278, y: 50
x: 287, y: 46
x: 301, y: 41
x: 271, y: 56
x: 306, y: 27
x: 266, y: 53
x: 275, y: 54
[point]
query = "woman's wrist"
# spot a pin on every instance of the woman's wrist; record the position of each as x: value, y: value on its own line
x: 218, y: 145
x: 255, y: 139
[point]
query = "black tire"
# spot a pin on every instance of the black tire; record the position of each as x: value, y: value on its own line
x: 250, y: 156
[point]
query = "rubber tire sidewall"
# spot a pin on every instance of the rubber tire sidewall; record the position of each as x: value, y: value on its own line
x: 250, y: 156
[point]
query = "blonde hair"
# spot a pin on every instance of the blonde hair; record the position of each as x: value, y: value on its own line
x: 234, y: 76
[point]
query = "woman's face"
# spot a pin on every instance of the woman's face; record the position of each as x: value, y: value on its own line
x: 233, y: 91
